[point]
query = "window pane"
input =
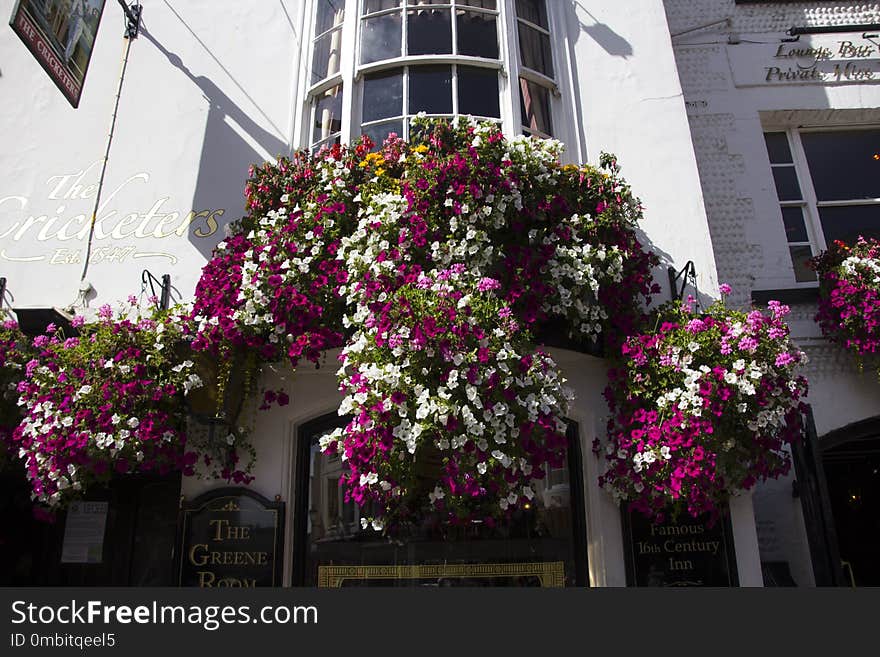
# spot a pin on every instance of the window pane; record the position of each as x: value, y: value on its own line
x: 484, y: 4
x: 777, y: 147
x: 534, y: 50
x: 844, y: 165
x: 534, y: 11
x: 477, y: 34
x: 848, y: 222
x: 383, y: 95
x: 795, y: 228
x: 478, y: 91
x: 325, y: 61
x: 379, y: 132
x: 430, y: 89
x: 787, y: 188
x: 429, y: 32
x: 328, y: 114
x: 535, y: 106
x: 329, y: 14
x: 380, y: 38
x: 799, y: 257
x: 378, y: 5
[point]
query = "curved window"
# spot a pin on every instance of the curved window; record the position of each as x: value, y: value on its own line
x: 542, y: 546
x: 396, y: 58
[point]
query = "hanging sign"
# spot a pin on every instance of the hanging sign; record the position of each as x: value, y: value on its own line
x: 60, y: 35
x: 683, y: 552
x: 230, y: 537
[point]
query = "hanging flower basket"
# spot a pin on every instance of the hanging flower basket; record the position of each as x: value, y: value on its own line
x: 15, y: 353
x: 105, y: 402
x: 849, y: 296
x: 703, y: 406
x: 433, y: 264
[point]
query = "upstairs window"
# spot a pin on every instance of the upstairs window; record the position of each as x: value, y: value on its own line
x: 374, y: 64
x: 828, y: 186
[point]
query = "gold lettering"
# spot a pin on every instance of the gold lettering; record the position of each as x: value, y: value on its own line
x: 201, y: 559
x: 206, y: 579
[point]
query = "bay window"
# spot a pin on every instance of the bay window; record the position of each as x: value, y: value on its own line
x: 374, y: 64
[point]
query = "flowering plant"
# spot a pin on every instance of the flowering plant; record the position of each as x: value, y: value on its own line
x: 849, y: 295
x: 15, y: 351
x: 105, y: 401
x: 439, y: 260
x: 702, y: 406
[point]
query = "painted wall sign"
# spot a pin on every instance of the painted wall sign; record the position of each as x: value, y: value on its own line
x: 816, y: 59
x: 685, y: 552
x: 58, y: 236
x: 61, y: 36
x: 230, y: 537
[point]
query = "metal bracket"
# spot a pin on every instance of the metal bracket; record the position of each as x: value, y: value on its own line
x: 132, y: 19
x: 688, y: 274
x: 164, y: 288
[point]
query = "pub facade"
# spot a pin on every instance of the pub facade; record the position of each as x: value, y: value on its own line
x: 213, y: 87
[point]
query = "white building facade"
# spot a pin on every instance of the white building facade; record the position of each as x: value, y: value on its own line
x: 782, y: 100
x: 212, y: 87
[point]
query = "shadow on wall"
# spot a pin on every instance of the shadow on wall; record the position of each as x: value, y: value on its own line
x: 225, y: 157
x: 614, y: 44
x: 610, y: 41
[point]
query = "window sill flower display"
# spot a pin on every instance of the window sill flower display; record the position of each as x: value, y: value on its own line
x: 702, y: 407
x: 105, y: 402
x: 849, y: 296
x: 433, y: 264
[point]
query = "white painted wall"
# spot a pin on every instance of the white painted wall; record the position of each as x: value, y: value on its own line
x: 207, y: 92
x: 631, y: 103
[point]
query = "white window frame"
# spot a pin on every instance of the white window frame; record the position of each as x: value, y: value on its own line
x: 809, y: 203
x: 351, y: 72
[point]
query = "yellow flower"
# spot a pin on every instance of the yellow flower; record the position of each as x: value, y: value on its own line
x: 421, y: 148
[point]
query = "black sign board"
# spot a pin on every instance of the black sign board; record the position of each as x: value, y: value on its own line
x: 686, y: 551
x: 230, y: 537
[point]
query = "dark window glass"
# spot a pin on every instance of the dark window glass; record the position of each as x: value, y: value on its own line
x: 379, y: 132
x: 328, y: 114
x: 429, y: 32
x: 483, y: 4
x: 383, y: 95
x: 799, y: 257
x: 535, y: 106
x: 548, y: 534
x: 844, y: 164
x: 329, y: 13
x: 787, y: 188
x: 846, y: 223
x: 430, y: 89
x: 380, y: 38
x: 777, y: 147
x: 534, y: 11
x: 534, y: 50
x: 325, y: 61
x: 371, y: 6
x: 795, y: 228
x: 478, y: 91
x: 477, y: 34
